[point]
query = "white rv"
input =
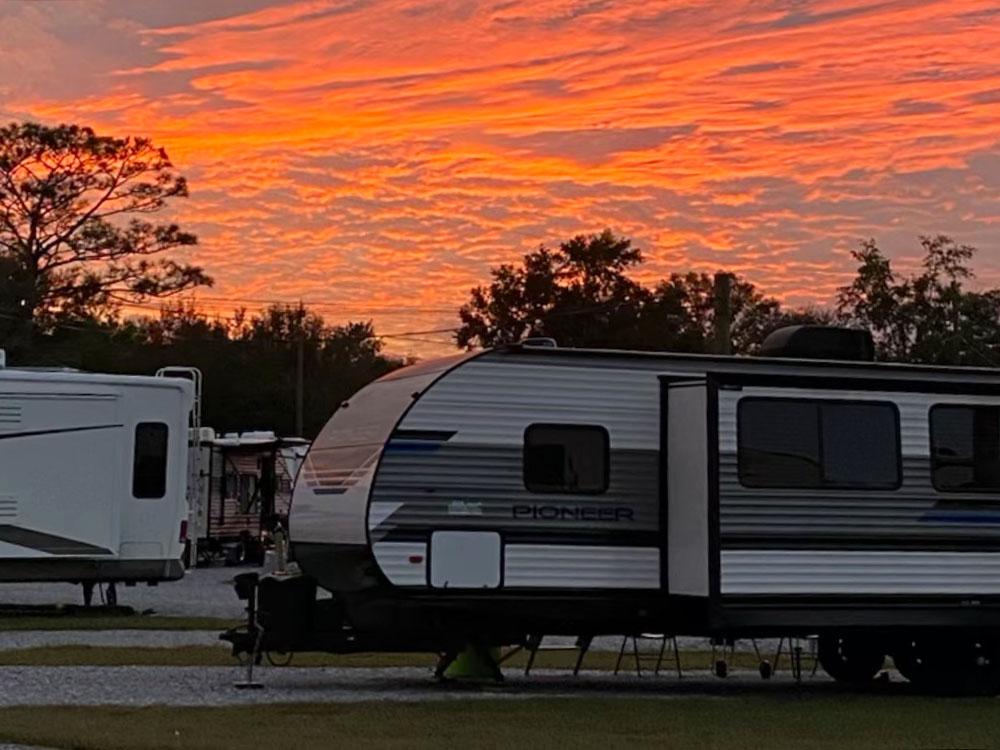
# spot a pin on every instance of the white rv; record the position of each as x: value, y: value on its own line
x: 489, y: 497
x: 93, y: 476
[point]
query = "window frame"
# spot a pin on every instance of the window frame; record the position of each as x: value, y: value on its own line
x: 166, y: 459
x: 933, y: 446
x: 840, y: 487
x: 605, y: 437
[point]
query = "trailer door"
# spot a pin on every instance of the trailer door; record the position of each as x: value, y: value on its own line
x: 685, y: 478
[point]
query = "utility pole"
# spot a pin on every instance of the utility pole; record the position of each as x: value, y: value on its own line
x: 300, y: 366
x: 723, y: 317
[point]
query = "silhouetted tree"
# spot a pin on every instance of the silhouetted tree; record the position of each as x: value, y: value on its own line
x: 581, y: 295
x: 929, y: 317
x: 74, y: 226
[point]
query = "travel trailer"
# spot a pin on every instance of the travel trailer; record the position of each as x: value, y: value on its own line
x: 487, y: 498
x: 244, y: 489
x: 93, y: 476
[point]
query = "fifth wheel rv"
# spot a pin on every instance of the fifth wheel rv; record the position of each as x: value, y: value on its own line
x: 93, y: 476
x: 488, y: 498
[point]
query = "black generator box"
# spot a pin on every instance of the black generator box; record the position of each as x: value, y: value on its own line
x: 285, y: 606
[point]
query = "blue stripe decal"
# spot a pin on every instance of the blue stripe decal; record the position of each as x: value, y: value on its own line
x: 330, y: 491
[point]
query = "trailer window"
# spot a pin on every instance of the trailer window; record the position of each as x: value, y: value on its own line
x: 149, y: 465
x: 566, y: 458
x: 965, y: 448
x: 795, y: 443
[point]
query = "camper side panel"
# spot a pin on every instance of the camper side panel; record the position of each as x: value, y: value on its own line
x: 870, y: 521
x: 560, y: 461
x: 60, y: 470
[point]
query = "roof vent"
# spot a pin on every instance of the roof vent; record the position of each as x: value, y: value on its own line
x: 540, y: 341
x: 820, y: 342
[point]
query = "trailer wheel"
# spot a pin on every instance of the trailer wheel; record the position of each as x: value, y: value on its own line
x: 950, y: 665
x: 853, y: 659
x: 279, y: 658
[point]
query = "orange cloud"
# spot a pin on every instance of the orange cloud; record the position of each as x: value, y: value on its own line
x: 377, y: 157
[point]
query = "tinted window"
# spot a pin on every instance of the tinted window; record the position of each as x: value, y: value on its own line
x: 819, y: 444
x: 566, y: 458
x: 965, y: 447
x: 149, y: 465
x: 860, y: 446
x: 779, y: 443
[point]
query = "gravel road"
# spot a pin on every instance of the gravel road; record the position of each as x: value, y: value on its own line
x: 15, y: 639
x: 203, y: 592
x: 213, y: 686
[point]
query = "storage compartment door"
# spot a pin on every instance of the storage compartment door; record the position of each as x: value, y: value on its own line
x: 686, y: 455
x: 465, y: 559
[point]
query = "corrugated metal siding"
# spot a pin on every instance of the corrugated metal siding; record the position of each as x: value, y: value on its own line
x: 820, y: 572
x: 396, y: 559
x: 456, y: 485
x: 765, y: 533
x: 475, y: 479
x: 801, y: 515
x: 491, y: 401
x: 581, y: 567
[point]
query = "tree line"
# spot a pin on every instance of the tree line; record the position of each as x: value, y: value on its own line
x: 582, y: 294
x: 79, y: 242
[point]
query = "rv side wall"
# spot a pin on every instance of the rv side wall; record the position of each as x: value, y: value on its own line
x: 902, y: 537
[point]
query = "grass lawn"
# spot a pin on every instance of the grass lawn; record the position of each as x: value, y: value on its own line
x: 772, y: 722
x: 112, y: 622
x: 110, y: 656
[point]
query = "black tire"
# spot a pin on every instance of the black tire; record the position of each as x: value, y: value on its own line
x: 955, y: 664
x: 279, y: 658
x: 851, y: 658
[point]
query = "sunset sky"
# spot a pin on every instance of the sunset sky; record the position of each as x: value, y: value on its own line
x: 376, y: 157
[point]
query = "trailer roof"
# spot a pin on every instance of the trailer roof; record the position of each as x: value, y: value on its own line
x: 76, y: 377
x: 741, y: 363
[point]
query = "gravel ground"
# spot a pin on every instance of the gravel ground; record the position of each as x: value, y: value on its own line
x: 202, y: 592
x: 15, y: 639
x: 207, y: 592
x: 213, y: 686
x: 167, y: 638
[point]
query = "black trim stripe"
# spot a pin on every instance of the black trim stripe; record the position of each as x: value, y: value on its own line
x: 59, y: 431
x: 434, y: 435
x: 928, y: 385
x: 50, y: 543
x: 855, y: 543
x: 571, y: 537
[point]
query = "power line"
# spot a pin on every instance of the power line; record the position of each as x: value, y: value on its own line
x: 405, y: 335
x: 195, y: 299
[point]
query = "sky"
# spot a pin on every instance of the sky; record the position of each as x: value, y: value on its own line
x: 375, y: 158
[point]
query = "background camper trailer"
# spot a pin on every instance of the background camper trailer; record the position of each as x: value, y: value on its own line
x: 491, y: 497
x: 244, y: 490
x: 93, y: 476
